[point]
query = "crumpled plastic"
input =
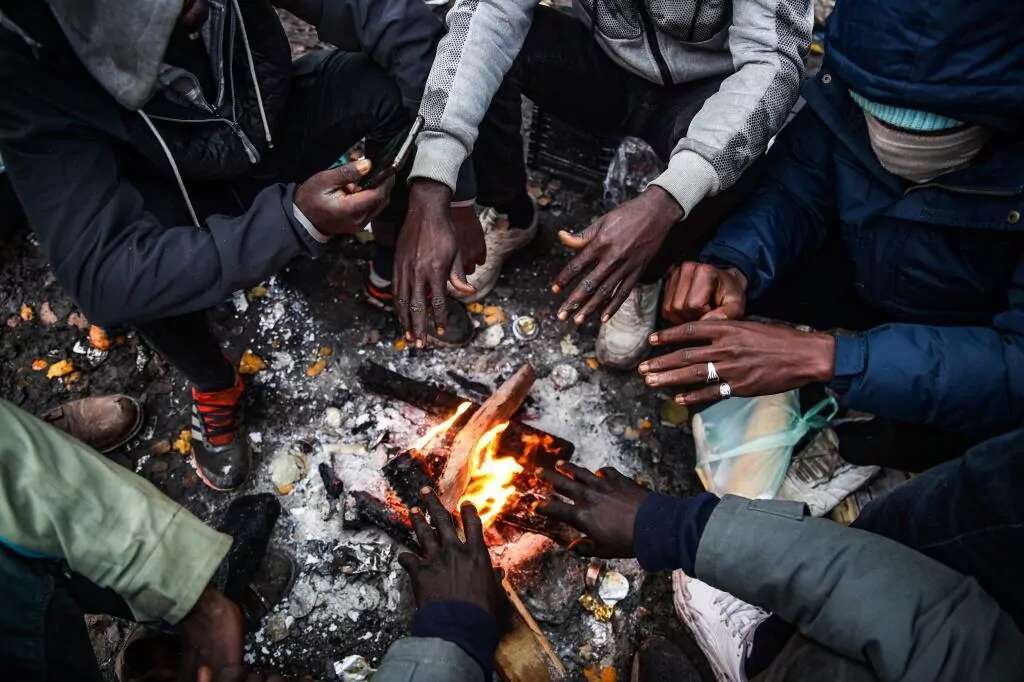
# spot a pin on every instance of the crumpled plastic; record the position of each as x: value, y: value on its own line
x: 634, y: 165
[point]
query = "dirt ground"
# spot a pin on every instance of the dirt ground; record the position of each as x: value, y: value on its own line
x: 611, y: 417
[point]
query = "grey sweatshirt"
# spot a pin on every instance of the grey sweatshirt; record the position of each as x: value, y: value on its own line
x: 760, y: 42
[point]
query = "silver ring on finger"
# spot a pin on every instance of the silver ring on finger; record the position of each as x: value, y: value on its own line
x: 417, y: 306
x: 437, y: 301
x: 724, y: 389
x: 712, y: 373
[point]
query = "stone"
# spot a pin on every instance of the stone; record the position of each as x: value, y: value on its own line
x: 276, y: 627
x: 302, y: 600
x: 564, y: 375
x: 491, y: 336
x: 353, y: 669
x: 332, y: 417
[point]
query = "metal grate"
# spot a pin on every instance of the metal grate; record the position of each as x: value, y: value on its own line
x: 576, y: 156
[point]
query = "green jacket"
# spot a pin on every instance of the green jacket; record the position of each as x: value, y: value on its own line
x: 61, y: 499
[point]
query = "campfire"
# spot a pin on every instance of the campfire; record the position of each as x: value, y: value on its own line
x: 484, y: 455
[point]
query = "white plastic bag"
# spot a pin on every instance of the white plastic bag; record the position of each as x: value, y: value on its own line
x: 744, y: 444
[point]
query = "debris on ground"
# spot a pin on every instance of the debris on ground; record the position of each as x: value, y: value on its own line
x: 98, y: 338
x: 61, y: 368
x: 251, y: 363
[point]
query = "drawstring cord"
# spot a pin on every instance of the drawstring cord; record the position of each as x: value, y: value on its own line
x: 174, y: 167
x: 252, y: 72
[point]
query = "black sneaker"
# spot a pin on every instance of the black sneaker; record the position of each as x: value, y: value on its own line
x: 220, y: 451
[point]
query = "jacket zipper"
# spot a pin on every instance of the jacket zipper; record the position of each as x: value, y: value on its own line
x: 250, y: 148
x: 652, y: 40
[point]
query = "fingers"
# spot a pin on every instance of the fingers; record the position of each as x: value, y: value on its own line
x: 563, y: 484
x: 425, y: 535
x: 694, y: 374
x: 457, y: 277
x: 577, y: 242
x: 708, y: 394
x: 559, y: 511
x: 702, y: 290
x: 620, y: 296
x: 364, y: 205
x: 402, y: 302
x: 573, y: 269
x: 612, y: 474
x: 205, y: 674
x: 438, y: 302
x: 440, y: 516
x: 690, y: 332
x: 409, y: 561
x: 731, y: 308
x: 418, y: 310
x: 685, y: 357
x: 668, y: 296
x: 594, y: 287
x: 578, y: 473
x: 349, y: 173
x: 472, y: 526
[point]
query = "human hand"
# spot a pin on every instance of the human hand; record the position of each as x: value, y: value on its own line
x: 752, y: 357
x: 604, y: 508
x: 211, y: 634
x: 429, y: 252
x: 238, y: 673
x: 335, y: 205
x: 613, y: 253
x: 698, y: 291
x: 447, y: 568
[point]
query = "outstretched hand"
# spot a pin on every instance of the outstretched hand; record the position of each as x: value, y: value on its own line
x: 698, y: 291
x: 431, y: 253
x: 613, y: 253
x: 604, y: 508
x: 335, y: 204
x: 446, y: 568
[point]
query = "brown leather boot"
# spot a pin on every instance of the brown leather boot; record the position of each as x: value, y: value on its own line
x: 104, y: 422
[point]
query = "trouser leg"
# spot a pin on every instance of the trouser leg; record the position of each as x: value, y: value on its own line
x: 42, y: 628
x: 562, y: 69
x: 187, y: 342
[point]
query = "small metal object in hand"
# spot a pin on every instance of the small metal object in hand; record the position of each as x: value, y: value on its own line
x: 712, y: 373
x: 724, y: 389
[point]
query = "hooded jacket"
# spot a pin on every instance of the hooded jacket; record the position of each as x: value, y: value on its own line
x: 118, y: 156
x: 758, y: 44
x: 944, y: 260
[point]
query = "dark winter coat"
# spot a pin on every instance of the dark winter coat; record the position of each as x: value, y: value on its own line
x: 944, y: 260
x: 95, y: 182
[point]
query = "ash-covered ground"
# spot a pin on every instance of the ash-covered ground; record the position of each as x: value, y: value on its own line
x: 351, y: 597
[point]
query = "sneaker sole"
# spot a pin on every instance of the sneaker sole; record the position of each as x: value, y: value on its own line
x: 481, y: 293
x: 209, y: 484
x: 140, y: 417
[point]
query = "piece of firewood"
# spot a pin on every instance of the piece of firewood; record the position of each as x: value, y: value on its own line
x: 496, y: 409
x: 406, y: 476
x: 524, y: 653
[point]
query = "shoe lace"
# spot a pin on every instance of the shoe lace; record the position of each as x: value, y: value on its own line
x: 220, y: 418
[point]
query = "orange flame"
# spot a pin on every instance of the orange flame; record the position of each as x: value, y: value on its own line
x: 490, y: 483
x: 422, y: 445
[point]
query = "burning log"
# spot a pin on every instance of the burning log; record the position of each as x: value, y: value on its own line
x: 438, y: 402
x: 406, y: 476
x: 497, y: 409
x: 363, y: 510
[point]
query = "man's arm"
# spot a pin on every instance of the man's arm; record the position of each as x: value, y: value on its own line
x: 768, y: 40
x: 60, y: 499
x: 863, y: 596
x: 484, y: 37
x: 399, y: 35
x: 789, y: 215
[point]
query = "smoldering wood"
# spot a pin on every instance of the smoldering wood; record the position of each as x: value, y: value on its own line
x: 363, y: 510
x: 406, y: 476
x: 332, y: 484
x: 496, y: 409
x: 525, y: 653
x: 440, y: 402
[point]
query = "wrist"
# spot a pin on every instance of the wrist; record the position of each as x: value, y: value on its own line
x: 427, y: 192
x: 821, y: 357
x: 664, y: 204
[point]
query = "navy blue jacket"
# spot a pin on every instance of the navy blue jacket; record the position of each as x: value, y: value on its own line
x: 943, y: 260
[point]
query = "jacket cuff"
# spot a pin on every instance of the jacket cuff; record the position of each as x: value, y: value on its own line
x: 850, y: 361
x: 667, y: 530
x: 688, y: 178
x: 299, y: 222
x: 180, y: 567
x: 725, y: 256
x: 467, y: 625
x: 438, y: 157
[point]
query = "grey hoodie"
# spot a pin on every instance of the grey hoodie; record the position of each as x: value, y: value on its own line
x: 760, y: 42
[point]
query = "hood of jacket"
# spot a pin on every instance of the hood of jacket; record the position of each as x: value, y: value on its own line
x: 964, y: 60
x: 121, y: 43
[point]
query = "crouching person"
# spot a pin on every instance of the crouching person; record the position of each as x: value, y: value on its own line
x: 891, y: 207
x: 864, y: 606
x: 165, y: 172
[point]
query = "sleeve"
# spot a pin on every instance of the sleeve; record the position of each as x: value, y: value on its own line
x: 116, y: 258
x: 790, y: 213
x: 865, y: 597
x: 483, y: 39
x: 667, y: 530
x: 399, y: 35
x: 768, y: 40
x: 60, y: 499
x: 967, y: 379
x: 428, y: 659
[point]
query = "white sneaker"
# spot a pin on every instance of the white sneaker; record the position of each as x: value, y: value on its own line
x: 502, y: 242
x: 622, y: 341
x: 721, y: 624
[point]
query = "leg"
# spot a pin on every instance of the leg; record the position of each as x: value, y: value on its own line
x: 188, y: 344
x: 42, y: 629
x: 967, y: 514
x: 564, y: 71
